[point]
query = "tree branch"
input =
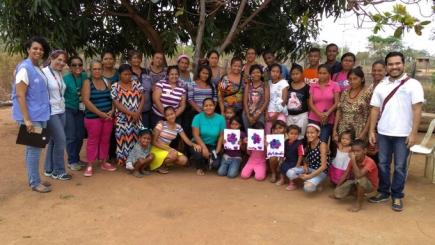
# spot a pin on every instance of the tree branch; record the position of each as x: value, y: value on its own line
x: 199, y: 34
x: 145, y: 26
x: 233, y: 29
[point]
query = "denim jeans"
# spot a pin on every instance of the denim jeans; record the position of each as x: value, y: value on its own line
x: 229, y: 166
x: 54, y: 159
x: 390, y: 146
x: 75, y: 132
x: 31, y: 157
x: 146, y: 119
x: 325, y: 130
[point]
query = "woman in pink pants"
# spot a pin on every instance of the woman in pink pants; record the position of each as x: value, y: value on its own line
x: 98, y: 118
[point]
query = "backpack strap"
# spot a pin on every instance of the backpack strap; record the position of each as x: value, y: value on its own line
x: 390, y: 95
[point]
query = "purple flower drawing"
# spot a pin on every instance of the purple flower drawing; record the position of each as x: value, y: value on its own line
x: 256, y: 138
x: 232, y: 138
x: 275, y: 144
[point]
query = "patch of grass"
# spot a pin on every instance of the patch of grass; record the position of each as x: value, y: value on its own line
x: 66, y: 197
x: 429, y: 95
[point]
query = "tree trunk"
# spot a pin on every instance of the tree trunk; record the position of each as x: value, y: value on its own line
x: 199, y: 35
x: 233, y: 29
x: 145, y: 26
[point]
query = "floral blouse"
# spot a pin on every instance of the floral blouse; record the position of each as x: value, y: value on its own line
x: 355, y: 113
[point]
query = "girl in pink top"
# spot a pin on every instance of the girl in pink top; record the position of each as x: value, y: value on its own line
x: 323, y: 100
x: 347, y: 63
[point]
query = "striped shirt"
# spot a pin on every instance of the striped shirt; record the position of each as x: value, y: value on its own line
x: 197, y: 94
x: 167, y: 135
x: 101, y: 99
x: 169, y: 96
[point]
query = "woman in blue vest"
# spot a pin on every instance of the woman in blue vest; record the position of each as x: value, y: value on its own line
x: 31, y: 105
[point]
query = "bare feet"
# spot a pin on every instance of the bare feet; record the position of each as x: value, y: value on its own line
x: 273, y: 178
x: 280, y: 182
x: 200, y: 172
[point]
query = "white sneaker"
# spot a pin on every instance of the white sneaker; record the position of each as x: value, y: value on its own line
x: 129, y: 166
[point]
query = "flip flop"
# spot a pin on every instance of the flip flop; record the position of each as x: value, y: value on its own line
x: 162, y: 171
x: 46, y: 183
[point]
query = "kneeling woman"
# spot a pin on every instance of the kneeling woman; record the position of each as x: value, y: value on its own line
x: 163, y: 134
x: 317, y: 160
x: 208, y: 131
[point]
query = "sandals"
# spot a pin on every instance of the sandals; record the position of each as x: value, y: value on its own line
x: 162, y: 170
x: 200, y: 172
x: 108, y: 167
x: 41, y: 188
x: 88, y: 172
x: 46, y: 183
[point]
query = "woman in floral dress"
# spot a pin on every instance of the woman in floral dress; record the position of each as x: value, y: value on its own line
x: 354, y: 107
x: 231, y: 87
x: 128, y: 100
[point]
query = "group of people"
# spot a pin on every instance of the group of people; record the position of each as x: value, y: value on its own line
x: 336, y: 126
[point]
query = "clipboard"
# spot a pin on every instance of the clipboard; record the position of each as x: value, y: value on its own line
x: 39, y: 139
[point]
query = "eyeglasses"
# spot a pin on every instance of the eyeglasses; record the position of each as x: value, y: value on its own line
x: 77, y: 65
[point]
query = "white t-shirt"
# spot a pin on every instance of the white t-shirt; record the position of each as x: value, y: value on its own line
x: 56, y: 90
x: 396, y: 119
x: 22, y: 76
x: 276, y: 94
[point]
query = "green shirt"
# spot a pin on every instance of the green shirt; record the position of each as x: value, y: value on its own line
x: 209, y: 127
x: 72, y: 91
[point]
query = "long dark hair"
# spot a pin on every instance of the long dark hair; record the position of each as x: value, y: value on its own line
x: 357, y: 71
x: 210, y: 74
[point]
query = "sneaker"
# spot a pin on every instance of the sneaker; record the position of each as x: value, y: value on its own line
x: 380, y: 197
x: 107, y: 166
x: 88, y: 172
x: 129, y: 166
x: 397, y: 204
x: 74, y: 166
x: 47, y: 173
x: 63, y: 176
x: 82, y: 164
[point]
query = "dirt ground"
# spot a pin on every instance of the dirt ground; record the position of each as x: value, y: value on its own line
x: 182, y: 208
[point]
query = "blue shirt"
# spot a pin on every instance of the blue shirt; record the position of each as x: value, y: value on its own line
x: 209, y: 127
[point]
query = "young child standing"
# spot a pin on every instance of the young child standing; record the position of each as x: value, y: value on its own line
x: 315, y: 169
x: 256, y: 162
x: 231, y: 159
x: 365, y: 175
x: 229, y: 113
x: 293, y: 155
x: 341, y: 160
x: 297, y: 104
x: 139, y: 157
x: 278, y: 89
x: 279, y: 127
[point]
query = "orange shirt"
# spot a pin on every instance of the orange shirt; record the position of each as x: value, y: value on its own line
x: 372, y: 171
x: 310, y: 75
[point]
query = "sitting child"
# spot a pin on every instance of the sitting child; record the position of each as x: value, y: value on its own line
x: 140, y: 156
x: 362, y: 175
x: 231, y: 160
x: 341, y: 160
x: 278, y: 127
x: 315, y: 169
x: 256, y: 162
x: 293, y: 154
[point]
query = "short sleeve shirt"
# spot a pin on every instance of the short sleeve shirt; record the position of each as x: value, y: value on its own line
x: 276, y: 93
x: 323, y: 99
x: 298, y: 100
x: 209, y: 127
x: 372, y: 171
x: 167, y: 135
x: 170, y: 96
x: 310, y: 75
x: 396, y: 119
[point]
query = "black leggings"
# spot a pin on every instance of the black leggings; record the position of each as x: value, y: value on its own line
x: 201, y: 162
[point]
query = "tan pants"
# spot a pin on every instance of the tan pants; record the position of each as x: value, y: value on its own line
x: 344, y: 189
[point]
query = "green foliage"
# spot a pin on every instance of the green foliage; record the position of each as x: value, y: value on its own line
x: 400, y: 19
x: 379, y: 46
x: 93, y: 26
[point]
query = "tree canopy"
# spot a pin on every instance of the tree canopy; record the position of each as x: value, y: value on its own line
x: 230, y: 26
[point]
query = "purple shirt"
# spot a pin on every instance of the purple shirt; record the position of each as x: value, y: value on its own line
x: 323, y: 99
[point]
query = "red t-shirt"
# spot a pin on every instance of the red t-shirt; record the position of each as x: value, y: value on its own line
x: 372, y: 171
